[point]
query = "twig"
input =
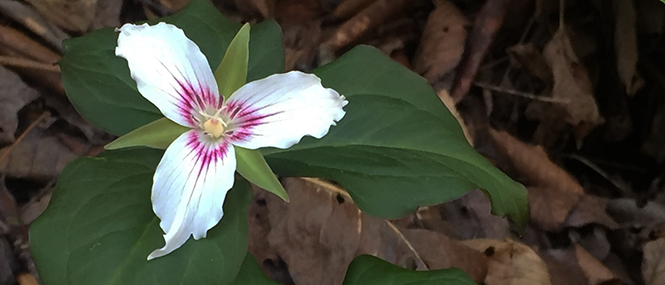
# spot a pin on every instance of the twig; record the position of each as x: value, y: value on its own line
x: 22, y: 62
x: 519, y: 93
x: 338, y: 190
x: 5, y: 154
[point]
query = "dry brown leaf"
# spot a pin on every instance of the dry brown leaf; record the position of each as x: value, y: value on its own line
x: 470, y: 217
x: 442, y: 42
x: 320, y: 231
x: 14, y: 94
x: 32, y: 20
x: 625, y: 43
x: 511, y: 263
x: 440, y: 252
x: 552, y: 192
x: 39, y: 156
x: 653, y: 264
x: 563, y: 271
x: 369, y: 18
x: 74, y: 15
x: 263, y: 8
x: 15, y: 44
x: 349, y: 8
x: 530, y: 58
x: 651, y: 18
x: 594, y: 270
x: 174, y: 5
x: 301, y: 26
x: 590, y: 209
x: 571, y: 85
x: 107, y: 14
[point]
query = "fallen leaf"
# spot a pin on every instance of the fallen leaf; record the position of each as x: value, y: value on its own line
x: 625, y: 44
x: 590, y: 209
x: 254, y: 8
x: 653, y: 264
x: 553, y: 193
x: 440, y: 252
x: 349, y: 8
x: 563, y: 272
x: 107, y: 14
x: 594, y: 270
x: 470, y: 217
x: 450, y: 104
x: 34, y: 21
x: 571, y: 85
x: 319, y: 232
x: 442, y: 42
x: 74, y: 15
x: 511, y: 262
x: 14, y: 95
x: 530, y: 58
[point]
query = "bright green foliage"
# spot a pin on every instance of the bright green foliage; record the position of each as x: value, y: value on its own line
x: 99, y: 228
x: 398, y: 147
x: 369, y: 270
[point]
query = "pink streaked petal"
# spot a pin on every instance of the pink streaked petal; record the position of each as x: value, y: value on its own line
x: 169, y: 69
x: 189, y: 187
x: 279, y: 110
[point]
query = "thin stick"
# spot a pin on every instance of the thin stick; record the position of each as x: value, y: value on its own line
x: 519, y: 93
x: 22, y: 62
x: 337, y: 190
x: 5, y: 153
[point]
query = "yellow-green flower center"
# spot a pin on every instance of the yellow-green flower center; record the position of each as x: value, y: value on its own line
x: 214, y: 127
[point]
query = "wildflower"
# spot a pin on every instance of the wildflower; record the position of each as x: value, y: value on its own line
x: 197, y: 170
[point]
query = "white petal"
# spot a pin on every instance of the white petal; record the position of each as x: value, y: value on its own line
x: 189, y: 187
x: 169, y: 69
x: 279, y: 110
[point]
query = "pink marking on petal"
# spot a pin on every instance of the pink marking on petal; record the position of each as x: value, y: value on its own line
x: 246, y: 118
x: 194, y: 99
x: 206, y: 153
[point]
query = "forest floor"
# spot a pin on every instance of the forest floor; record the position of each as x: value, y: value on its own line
x: 566, y: 97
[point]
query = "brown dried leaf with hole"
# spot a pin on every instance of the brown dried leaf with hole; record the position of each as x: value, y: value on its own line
x: 552, y: 192
x: 442, y: 42
x: 511, y: 263
x: 653, y: 264
x: 321, y: 230
x: 14, y: 95
x: 73, y: 15
x: 572, y: 85
x: 625, y: 43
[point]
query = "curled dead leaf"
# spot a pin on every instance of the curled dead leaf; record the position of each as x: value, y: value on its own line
x: 552, y: 191
x: 511, y: 262
x: 442, y: 42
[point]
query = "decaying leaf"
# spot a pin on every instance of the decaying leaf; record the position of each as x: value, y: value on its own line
x: 653, y: 264
x: 625, y: 42
x: 595, y: 272
x: 470, y: 217
x: 263, y: 8
x: 39, y: 156
x: 14, y: 94
x: 552, y: 192
x: 442, y: 42
x: 74, y: 15
x: 320, y: 231
x: 590, y: 209
x: 530, y: 58
x: 511, y: 263
x: 571, y: 85
x: 349, y: 8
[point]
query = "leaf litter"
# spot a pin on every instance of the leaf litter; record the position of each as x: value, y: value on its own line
x: 531, y: 101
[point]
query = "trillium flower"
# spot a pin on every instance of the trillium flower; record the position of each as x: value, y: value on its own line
x: 197, y: 169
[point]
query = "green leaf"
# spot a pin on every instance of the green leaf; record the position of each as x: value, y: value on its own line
x: 98, y: 83
x: 251, y: 273
x: 254, y: 168
x: 99, y: 228
x: 158, y: 134
x: 232, y: 71
x: 397, y: 147
x: 369, y: 270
